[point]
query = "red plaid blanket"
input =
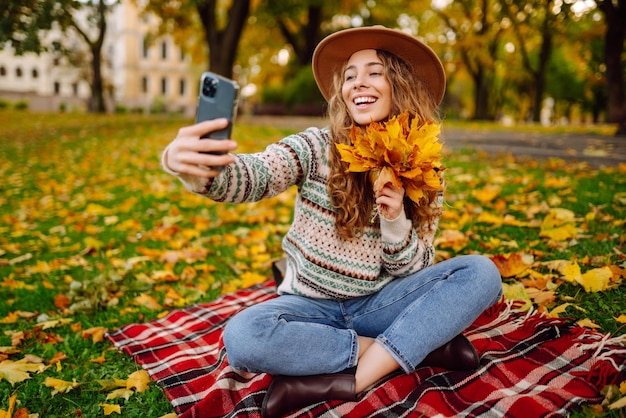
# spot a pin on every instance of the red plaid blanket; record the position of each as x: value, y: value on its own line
x: 531, y: 366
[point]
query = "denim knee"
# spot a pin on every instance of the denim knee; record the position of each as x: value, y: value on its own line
x: 487, y: 277
x: 237, y: 342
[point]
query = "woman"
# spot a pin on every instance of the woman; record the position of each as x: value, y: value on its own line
x: 361, y: 297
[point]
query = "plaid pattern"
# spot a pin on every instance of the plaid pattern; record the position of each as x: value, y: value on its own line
x: 531, y: 366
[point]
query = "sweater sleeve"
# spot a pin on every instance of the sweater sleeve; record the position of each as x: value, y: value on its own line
x: 256, y: 176
x: 407, y: 248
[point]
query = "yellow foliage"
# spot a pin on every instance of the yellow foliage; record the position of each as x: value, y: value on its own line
x: 138, y: 381
x: 594, y: 280
x: 109, y: 408
x: 517, y: 292
x: 559, y: 225
x: 18, y: 371
x: 394, y: 152
x: 60, y: 386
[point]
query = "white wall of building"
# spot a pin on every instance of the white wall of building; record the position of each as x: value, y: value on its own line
x: 138, y: 76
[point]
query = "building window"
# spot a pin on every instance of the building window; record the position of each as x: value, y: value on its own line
x: 56, y: 61
x: 164, y: 50
x: 57, y: 87
x: 3, y: 71
x: 75, y: 89
x: 183, y: 87
x: 18, y: 72
x: 144, y: 84
x: 164, y: 85
x: 35, y: 73
x: 145, y: 48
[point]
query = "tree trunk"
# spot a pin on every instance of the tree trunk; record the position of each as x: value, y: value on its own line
x: 615, y: 16
x: 96, y: 102
x: 223, y: 44
x: 540, y: 74
x: 481, y: 97
x: 306, y: 37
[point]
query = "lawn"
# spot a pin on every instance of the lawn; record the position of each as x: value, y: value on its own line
x: 94, y: 235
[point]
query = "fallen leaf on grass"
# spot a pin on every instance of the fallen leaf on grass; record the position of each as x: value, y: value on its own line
x: 9, y: 412
x: 138, y: 381
x: 511, y: 265
x: 588, y: 323
x: 622, y: 320
x: 120, y: 393
x: 100, y: 360
x: 18, y: 371
x: 517, y: 292
x: 111, y: 384
x: 109, y: 408
x: 595, y: 280
x: 60, y: 386
x: 53, y: 323
x: 559, y: 225
x: 96, y: 334
x: 148, y: 301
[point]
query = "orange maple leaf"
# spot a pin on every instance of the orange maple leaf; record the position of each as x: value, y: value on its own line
x: 510, y: 265
x: 397, y: 153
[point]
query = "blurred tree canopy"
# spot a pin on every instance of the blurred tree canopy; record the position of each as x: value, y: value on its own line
x: 501, y: 56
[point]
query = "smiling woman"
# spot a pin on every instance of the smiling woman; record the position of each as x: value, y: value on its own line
x: 363, y: 287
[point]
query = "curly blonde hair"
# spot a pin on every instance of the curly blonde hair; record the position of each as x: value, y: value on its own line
x: 351, y: 193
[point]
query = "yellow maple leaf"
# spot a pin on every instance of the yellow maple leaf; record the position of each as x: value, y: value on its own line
x: 452, y: 238
x: 559, y: 225
x: 109, y: 408
x: 120, y: 393
x: 588, y: 323
x: 60, y: 386
x: 622, y: 320
x: 138, y: 381
x: 100, y: 360
x: 96, y: 334
x: 517, y: 292
x: 9, y: 412
x: 18, y: 371
x: 596, y: 280
x: 571, y: 272
x: 487, y: 193
x: 394, y: 152
x: 618, y: 404
x: 147, y: 301
x: 53, y: 323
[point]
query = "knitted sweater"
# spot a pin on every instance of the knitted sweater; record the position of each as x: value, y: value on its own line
x: 320, y: 264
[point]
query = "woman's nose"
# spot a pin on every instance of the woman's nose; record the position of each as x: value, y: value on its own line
x: 359, y: 82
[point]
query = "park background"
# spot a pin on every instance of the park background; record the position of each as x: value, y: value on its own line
x: 94, y: 235
x: 515, y: 61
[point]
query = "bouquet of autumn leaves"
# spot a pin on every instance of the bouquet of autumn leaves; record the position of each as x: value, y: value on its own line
x: 398, y: 152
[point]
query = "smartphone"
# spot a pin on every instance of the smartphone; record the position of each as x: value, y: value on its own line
x: 218, y: 98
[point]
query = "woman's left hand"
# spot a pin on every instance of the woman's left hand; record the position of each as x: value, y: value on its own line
x: 390, y: 201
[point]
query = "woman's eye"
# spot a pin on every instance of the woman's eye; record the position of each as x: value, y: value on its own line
x: 349, y: 77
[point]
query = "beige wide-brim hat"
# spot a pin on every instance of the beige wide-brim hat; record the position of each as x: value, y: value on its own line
x: 334, y: 50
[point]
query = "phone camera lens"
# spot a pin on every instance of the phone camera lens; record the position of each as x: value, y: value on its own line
x: 209, y: 87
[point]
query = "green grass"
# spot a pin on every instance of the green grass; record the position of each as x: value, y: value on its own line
x: 86, y: 215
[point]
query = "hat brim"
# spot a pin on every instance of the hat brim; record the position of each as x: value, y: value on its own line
x: 334, y: 50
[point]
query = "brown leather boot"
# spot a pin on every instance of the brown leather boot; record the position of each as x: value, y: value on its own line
x: 456, y: 354
x: 287, y: 393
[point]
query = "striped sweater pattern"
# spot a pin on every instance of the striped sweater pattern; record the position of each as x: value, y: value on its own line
x: 320, y: 263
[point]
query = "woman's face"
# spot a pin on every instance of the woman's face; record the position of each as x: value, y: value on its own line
x: 365, y: 88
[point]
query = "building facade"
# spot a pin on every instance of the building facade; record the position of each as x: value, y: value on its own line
x: 140, y: 73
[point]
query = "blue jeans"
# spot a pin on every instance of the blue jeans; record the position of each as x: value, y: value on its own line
x: 410, y: 317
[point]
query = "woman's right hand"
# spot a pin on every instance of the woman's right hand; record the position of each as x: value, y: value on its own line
x: 192, y: 155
